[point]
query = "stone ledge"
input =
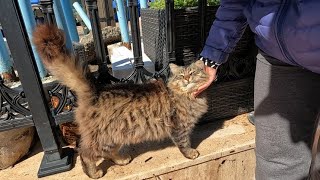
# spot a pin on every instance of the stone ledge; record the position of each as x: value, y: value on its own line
x: 226, y: 150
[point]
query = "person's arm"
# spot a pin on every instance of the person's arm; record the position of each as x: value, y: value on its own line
x: 226, y: 30
x: 224, y: 34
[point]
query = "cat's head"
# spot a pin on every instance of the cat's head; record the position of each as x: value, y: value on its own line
x: 187, y: 79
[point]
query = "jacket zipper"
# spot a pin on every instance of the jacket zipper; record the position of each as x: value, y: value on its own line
x: 278, y: 31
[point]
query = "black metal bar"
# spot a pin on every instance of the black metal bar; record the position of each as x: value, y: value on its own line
x: 202, y: 14
x: 96, y: 31
x: 15, y: 123
x: 55, y: 158
x: 47, y: 9
x: 140, y: 74
x: 171, y: 39
x: 126, y: 9
x: 108, y: 17
x: 64, y: 117
x: 101, y: 54
x: 135, y: 33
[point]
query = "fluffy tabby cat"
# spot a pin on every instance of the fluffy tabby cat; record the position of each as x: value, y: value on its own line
x: 122, y: 114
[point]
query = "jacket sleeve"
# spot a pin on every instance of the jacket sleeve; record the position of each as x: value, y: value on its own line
x: 226, y: 30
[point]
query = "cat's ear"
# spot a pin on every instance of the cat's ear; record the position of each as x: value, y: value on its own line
x: 199, y: 64
x: 175, y: 69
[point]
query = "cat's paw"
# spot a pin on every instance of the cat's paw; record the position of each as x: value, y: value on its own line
x: 123, y: 160
x: 191, y: 153
x: 96, y: 175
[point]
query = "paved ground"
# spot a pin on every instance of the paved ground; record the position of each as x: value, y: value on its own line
x: 212, y: 140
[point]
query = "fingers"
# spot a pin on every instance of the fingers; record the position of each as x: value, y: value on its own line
x: 195, y: 94
x: 212, y: 77
x: 201, y: 89
x: 205, y: 86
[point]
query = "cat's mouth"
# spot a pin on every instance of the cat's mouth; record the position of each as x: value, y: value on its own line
x: 191, y: 85
x: 189, y: 88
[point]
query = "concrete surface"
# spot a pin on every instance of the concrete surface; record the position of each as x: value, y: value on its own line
x: 150, y: 160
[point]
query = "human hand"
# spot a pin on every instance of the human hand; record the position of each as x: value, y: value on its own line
x: 212, y: 72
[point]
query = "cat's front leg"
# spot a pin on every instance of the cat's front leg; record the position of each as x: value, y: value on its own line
x: 89, y: 166
x: 181, y: 137
x: 112, y: 152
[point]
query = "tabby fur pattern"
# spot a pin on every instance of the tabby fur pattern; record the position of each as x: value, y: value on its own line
x: 123, y: 114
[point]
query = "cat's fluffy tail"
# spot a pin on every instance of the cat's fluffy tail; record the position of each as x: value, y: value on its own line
x: 50, y: 44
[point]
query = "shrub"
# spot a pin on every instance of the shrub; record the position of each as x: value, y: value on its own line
x: 179, y: 4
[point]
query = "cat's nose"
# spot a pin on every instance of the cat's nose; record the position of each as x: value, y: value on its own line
x: 187, y: 77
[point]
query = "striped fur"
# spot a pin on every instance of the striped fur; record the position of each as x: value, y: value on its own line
x: 123, y: 114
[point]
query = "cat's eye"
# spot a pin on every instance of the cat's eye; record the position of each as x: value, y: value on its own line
x: 190, y: 73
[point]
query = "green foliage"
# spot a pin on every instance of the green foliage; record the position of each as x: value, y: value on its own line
x: 213, y: 2
x: 158, y: 4
x: 178, y: 4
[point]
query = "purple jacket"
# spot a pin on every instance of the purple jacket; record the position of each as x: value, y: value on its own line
x: 288, y: 30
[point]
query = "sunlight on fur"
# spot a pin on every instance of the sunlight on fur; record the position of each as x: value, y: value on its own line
x: 122, y: 114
